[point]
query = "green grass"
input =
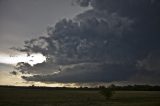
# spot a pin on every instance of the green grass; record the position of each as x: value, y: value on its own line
x: 43, y: 97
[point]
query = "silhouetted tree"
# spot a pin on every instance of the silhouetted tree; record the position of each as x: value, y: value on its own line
x: 106, y: 92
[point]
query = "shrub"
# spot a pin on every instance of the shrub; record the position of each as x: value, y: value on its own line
x: 107, y: 92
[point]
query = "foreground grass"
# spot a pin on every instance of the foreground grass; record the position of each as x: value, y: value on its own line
x: 43, y: 97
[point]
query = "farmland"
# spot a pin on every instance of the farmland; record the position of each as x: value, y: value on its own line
x: 73, y: 97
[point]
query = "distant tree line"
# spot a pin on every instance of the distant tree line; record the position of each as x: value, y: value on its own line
x: 111, y: 87
x: 136, y: 88
x: 128, y: 88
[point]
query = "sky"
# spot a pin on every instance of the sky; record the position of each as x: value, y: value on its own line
x: 79, y: 42
x: 22, y: 20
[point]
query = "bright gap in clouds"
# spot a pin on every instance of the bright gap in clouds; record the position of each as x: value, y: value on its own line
x: 13, y: 60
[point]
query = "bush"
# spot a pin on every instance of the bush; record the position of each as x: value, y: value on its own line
x: 107, y: 92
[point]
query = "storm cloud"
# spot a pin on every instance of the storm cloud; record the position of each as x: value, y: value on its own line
x: 113, y: 41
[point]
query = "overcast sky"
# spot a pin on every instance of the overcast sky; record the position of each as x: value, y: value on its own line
x: 92, y: 41
x: 21, y: 20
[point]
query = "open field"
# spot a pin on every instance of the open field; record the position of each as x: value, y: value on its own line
x: 67, y: 97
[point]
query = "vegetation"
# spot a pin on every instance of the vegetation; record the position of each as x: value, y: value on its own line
x: 41, y: 96
x: 106, y: 92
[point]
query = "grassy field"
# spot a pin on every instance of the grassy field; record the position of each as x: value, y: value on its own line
x: 44, y: 97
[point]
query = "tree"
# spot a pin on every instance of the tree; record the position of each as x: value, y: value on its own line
x: 106, y: 92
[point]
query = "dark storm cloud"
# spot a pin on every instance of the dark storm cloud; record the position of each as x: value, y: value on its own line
x: 40, y: 68
x: 125, y: 7
x: 13, y: 73
x: 88, y: 73
x: 83, y: 39
x: 121, y: 37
